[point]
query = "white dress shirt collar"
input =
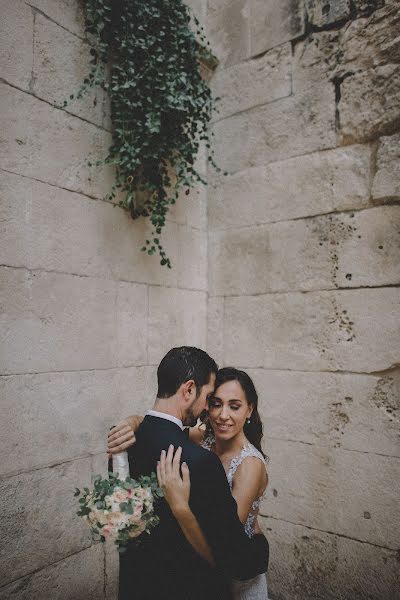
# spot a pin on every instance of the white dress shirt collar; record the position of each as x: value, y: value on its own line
x: 161, y: 415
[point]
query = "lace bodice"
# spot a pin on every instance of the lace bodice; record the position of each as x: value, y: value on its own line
x: 247, y: 450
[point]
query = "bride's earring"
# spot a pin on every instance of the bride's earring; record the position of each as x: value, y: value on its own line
x: 247, y: 421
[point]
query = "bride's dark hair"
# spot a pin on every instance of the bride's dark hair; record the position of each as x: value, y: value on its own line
x: 253, y: 430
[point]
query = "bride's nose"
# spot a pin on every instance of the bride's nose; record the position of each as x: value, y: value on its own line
x: 224, y: 415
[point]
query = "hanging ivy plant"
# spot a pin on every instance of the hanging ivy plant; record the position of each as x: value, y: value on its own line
x: 145, y: 55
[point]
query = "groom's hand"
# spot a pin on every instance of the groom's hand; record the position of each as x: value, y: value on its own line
x: 120, y: 438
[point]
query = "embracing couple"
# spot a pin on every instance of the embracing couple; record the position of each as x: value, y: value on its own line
x: 208, y: 544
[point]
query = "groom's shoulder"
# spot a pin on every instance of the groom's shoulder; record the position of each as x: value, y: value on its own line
x: 200, y: 458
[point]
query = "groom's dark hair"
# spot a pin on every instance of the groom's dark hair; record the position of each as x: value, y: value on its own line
x: 181, y: 364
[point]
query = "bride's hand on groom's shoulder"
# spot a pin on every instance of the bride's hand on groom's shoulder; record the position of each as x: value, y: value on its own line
x: 174, y: 480
x: 121, y: 437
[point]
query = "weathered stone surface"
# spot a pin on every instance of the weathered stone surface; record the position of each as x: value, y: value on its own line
x: 254, y: 82
x: 111, y: 571
x: 387, y: 177
x: 192, y: 258
x: 370, y: 104
x: 228, y: 30
x: 58, y: 230
x: 240, y: 261
x: 297, y: 187
x: 53, y: 417
x: 69, y: 13
x: 338, y: 250
x: 56, y: 322
x: 362, y: 45
x: 272, y: 24
x: 215, y: 338
x: 191, y: 209
x: 131, y: 310
x: 42, y: 507
x: 354, y: 412
x: 50, y: 145
x: 77, y: 577
x: 176, y: 318
x: 57, y: 74
x: 16, y: 39
x: 366, y: 7
x: 276, y: 131
x: 322, y: 13
x: 350, y: 330
x: 311, y: 489
x: 314, y: 565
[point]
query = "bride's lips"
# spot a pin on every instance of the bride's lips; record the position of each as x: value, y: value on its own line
x: 222, y: 427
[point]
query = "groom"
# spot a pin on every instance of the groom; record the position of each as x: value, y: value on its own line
x: 165, y: 566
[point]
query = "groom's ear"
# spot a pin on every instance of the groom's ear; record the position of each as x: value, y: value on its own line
x: 189, y: 390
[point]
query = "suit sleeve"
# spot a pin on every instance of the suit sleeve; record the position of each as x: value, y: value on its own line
x: 211, y: 501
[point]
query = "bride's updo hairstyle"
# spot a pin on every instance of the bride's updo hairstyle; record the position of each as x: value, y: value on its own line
x: 253, y: 430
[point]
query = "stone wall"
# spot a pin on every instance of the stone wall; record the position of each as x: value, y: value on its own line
x: 85, y: 315
x: 304, y: 268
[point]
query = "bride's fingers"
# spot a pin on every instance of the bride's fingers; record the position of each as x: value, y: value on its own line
x: 168, y: 462
x: 120, y: 447
x: 159, y: 476
x: 176, y: 462
x: 115, y: 432
x: 162, y: 466
x: 185, y: 474
x: 117, y: 441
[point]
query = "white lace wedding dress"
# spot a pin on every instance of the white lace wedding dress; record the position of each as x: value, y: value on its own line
x: 256, y: 588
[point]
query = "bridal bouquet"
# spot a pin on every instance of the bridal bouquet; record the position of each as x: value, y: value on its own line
x: 120, y: 509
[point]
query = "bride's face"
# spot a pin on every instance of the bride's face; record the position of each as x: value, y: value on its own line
x: 228, y: 410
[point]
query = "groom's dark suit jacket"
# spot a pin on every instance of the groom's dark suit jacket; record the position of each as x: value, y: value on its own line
x: 165, y: 566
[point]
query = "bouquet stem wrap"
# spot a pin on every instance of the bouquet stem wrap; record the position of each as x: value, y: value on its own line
x: 121, y: 465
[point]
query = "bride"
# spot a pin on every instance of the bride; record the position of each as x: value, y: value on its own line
x: 233, y: 431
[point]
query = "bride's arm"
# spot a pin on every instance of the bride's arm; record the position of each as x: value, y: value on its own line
x: 249, y: 483
x: 176, y: 490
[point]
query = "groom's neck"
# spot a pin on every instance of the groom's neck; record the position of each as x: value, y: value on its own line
x: 169, y: 406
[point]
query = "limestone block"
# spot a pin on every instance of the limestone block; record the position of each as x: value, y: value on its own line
x: 69, y: 14
x: 354, y: 412
x: 343, y: 250
x: 191, y: 209
x: 53, y: 322
x: 215, y: 324
x: 75, y: 577
x: 276, y: 131
x: 272, y: 24
x: 192, y: 258
x: 52, y: 146
x: 42, y: 506
x: 176, y: 318
x: 314, y: 490
x: 53, y: 417
x: 199, y: 10
x: 61, y: 64
x: 386, y: 182
x: 322, y: 13
x: 228, y: 30
x: 132, y: 311
x: 312, y: 564
x: 44, y: 227
x: 298, y: 187
x: 16, y: 39
x: 254, y: 82
x: 370, y: 104
x: 349, y: 330
x: 239, y: 261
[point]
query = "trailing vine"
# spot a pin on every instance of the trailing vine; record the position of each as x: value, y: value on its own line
x: 145, y: 55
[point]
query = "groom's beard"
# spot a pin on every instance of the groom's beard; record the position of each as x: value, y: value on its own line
x: 190, y: 419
